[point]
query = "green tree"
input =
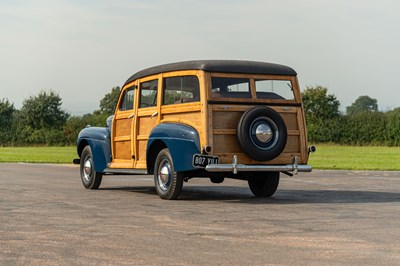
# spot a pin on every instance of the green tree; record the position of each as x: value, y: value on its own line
x: 6, y: 120
x: 319, y: 105
x: 362, y: 104
x: 44, y: 111
x: 109, y: 101
x: 392, y: 130
x: 41, y: 120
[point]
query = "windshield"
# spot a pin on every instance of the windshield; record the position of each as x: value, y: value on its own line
x: 241, y: 88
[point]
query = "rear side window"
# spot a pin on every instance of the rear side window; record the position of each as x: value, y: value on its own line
x: 148, y: 93
x: 230, y: 87
x: 127, y: 100
x: 181, y: 90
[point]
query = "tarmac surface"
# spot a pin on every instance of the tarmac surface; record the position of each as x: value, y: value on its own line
x: 324, y: 217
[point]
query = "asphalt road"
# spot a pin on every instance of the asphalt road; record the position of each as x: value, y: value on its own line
x: 326, y: 217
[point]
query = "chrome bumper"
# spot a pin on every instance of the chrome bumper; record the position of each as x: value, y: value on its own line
x: 235, y: 167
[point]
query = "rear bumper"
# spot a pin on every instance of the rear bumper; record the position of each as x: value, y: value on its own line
x: 235, y: 167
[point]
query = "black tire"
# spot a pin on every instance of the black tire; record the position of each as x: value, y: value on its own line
x: 264, y: 184
x: 90, y: 178
x: 168, y: 183
x: 217, y: 179
x: 253, y: 144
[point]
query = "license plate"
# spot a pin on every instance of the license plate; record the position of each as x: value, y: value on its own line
x: 202, y: 161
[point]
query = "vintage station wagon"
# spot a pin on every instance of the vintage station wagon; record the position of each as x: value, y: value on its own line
x: 213, y: 119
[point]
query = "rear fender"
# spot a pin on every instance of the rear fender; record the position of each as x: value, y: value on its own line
x: 182, y: 141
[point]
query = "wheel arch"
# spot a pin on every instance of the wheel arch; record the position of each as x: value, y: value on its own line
x: 98, y: 139
x: 152, y: 152
x: 182, y: 141
x: 81, y: 145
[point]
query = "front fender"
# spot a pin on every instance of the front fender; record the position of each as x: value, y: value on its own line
x: 182, y: 141
x: 99, y: 140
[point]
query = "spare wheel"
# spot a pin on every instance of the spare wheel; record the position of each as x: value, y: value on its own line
x: 262, y: 133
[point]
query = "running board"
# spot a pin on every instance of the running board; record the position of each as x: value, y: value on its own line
x: 122, y: 171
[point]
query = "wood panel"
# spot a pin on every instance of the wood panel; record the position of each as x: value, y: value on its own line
x: 224, y: 121
x: 123, y: 150
x: 142, y: 145
x: 194, y: 119
x: 180, y: 108
x: 123, y: 127
x: 226, y: 144
x: 290, y: 120
x: 292, y: 145
x: 145, y: 125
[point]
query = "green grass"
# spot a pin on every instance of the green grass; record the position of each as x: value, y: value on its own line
x: 38, y: 154
x: 355, y: 157
x: 326, y: 157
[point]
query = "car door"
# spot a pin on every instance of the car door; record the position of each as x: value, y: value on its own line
x: 123, y: 144
x: 147, y: 116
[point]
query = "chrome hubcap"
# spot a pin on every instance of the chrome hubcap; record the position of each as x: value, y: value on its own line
x: 87, y: 169
x: 164, y: 175
x: 264, y: 133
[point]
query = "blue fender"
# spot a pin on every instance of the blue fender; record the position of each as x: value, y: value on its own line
x: 99, y: 140
x: 182, y: 141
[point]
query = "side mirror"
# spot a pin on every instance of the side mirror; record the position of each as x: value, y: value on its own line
x: 109, y: 121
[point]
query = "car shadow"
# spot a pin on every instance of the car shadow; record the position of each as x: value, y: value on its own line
x: 142, y: 189
x: 284, y: 196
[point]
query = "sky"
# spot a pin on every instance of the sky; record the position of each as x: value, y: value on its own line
x: 81, y: 49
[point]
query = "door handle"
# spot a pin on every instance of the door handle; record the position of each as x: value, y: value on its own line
x: 132, y: 115
x: 154, y: 114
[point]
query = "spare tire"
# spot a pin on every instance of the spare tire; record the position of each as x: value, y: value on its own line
x: 262, y: 133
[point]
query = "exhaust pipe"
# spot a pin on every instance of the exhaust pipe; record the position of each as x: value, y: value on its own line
x: 312, y: 149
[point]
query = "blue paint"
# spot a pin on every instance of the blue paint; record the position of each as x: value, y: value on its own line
x: 182, y: 141
x: 99, y: 140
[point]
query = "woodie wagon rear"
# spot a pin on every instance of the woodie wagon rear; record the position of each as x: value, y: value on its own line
x: 213, y: 119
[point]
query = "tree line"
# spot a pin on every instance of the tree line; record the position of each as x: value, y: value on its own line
x: 42, y: 121
x: 361, y: 124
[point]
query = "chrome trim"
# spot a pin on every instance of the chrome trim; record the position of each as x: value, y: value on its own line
x: 87, y: 169
x: 263, y: 133
x: 235, y: 167
x: 271, y: 136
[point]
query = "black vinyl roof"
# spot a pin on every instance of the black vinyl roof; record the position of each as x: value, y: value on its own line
x: 223, y: 66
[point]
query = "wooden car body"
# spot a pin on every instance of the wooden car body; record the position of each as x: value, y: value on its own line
x: 197, y: 110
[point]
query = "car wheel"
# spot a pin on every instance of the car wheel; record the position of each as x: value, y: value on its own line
x: 90, y: 178
x: 262, y: 133
x: 264, y: 184
x: 168, y: 183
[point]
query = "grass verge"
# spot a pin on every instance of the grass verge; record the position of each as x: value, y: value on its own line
x: 38, y: 154
x: 326, y: 157
x: 355, y: 158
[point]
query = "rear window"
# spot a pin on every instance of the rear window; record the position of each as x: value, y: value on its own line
x: 274, y: 89
x: 223, y: 87
x: 230, y: 87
